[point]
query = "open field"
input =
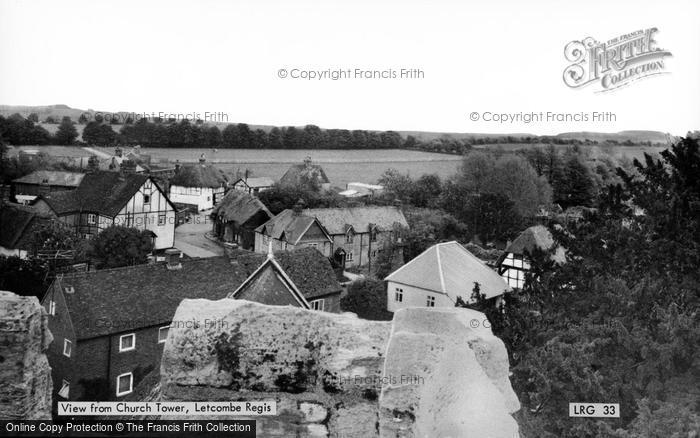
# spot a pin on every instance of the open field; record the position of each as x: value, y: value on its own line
x: 341, y: 166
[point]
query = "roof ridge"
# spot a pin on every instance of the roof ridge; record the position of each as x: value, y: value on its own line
x: 142, y: 265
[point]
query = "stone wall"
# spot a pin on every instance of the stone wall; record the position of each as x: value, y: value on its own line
x: 25, y: 375
x: 426, y: 374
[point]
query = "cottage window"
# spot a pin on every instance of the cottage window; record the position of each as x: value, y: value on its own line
x: 163, y: 334
x: 67, y: 347
x: 129, y: 219
x: 348, y: 256
x: 349, y: 236
x: 52, y: 307
x: 317, y: 304
x: 127, y: 342
x: 431, y: 301
x: 514, y: 278
x: 125, y: 384
x: 146, y: 199
x: 92, y: 219
x: 373, y: 235
x: 161, y: 219
x: 312, y: 245
x: 65, y: 389
x: 398, y: 295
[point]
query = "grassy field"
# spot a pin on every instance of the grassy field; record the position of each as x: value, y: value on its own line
x: 341, y: 166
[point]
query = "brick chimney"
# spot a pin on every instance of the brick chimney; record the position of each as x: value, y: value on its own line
x: 44, y: 187
x: 172, y: 259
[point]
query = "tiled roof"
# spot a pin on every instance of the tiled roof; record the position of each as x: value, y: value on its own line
x: 115, y: 300
x: 52, y: 178
x: 337, y: 220
x: 290, y: 224
x: 122, y: 299
x: 310, y: 270
x: 294, y: 175
x: 239, y: 207
x: 101, y: 192
x: 199, y: 175
x: 17, y: 224
x: 450, y: 269
x: 536, y: 237
x: 271, y: 282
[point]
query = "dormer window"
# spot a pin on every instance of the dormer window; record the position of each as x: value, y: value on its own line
x: 349, y: 236
x: 91, y: 219
x: 69, y: 289
x: 373, y: 234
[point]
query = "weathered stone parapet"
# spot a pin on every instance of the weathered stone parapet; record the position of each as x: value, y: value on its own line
x: 425, y: 374
x: 322, y: 369
x: 451, y: 379
x: 25, y: 375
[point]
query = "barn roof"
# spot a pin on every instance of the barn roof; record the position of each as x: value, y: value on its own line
x: 448, y: 268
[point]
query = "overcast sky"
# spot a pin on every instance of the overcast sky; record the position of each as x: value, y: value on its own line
x: 224, y: 56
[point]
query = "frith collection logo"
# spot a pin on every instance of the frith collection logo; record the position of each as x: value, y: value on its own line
x: 615, y: 63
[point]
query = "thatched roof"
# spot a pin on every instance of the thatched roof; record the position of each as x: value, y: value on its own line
x: 239, y: 207
x: 536, y: 237
x: 199, y: 175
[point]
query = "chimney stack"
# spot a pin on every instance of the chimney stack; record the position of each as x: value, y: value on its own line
x: 44, y: 187
x: 172, y: 259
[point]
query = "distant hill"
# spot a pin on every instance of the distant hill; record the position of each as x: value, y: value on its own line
x: 60, y: 111
x: 622, y: 136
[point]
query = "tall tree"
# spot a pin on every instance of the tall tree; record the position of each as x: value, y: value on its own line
x: 66, y: 133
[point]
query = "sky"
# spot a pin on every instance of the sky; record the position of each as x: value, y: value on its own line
x: 219, y: 56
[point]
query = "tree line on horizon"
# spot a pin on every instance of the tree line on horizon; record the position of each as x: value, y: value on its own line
x: 158, y: 133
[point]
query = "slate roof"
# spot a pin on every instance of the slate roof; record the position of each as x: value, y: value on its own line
x: 121, y: 299
x: 288, y: 224
x: 536, y: 237
x: 17, y: 226
x: 338, y: 220
x: 450, y: 269
x: 52, y: 178
x: 293, y: 176
x: 101, y: 192
x: 310, y: 270
x: 199, y: 175
x: 239, y: 207
x: 115, y: 300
